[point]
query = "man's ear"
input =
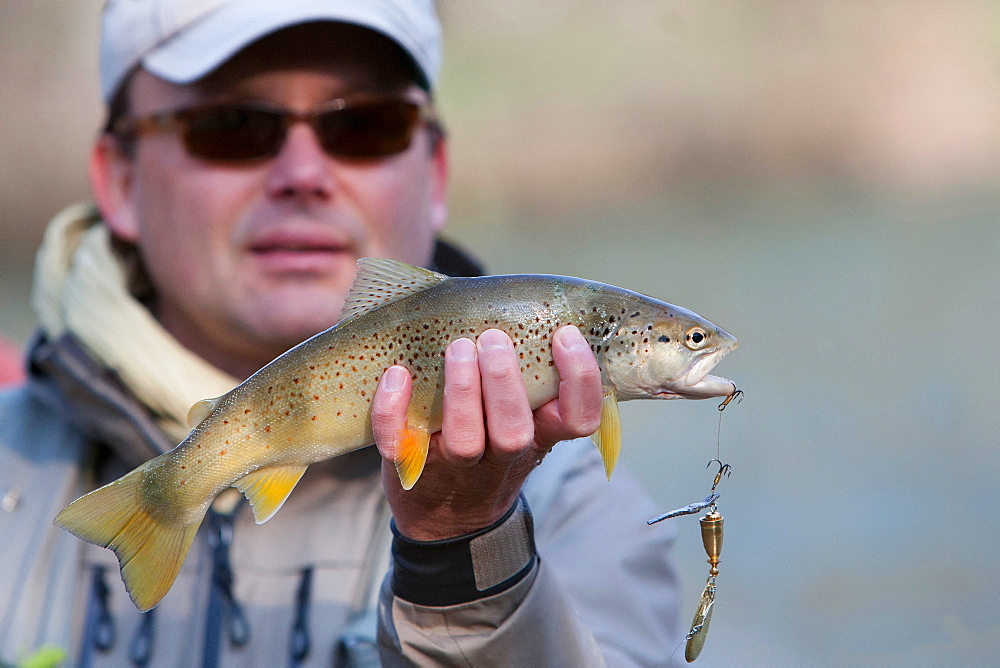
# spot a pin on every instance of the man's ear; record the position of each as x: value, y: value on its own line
x: 111, y: 183
x: 439, y: 184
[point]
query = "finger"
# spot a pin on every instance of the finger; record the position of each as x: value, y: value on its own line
x: 509, y: 421
x: 389, y: 405
x: 580, y: 389
x: 463, y: 434
x: 577, y: 410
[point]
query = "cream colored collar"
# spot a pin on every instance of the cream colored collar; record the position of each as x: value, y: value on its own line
x: 80, y: 286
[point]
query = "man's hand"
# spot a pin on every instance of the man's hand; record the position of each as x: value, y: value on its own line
x: 490, y: 439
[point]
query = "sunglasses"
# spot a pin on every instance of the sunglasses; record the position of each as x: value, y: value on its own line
x: 251, y: 132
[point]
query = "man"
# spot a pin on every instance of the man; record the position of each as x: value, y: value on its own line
x: 254, y: 151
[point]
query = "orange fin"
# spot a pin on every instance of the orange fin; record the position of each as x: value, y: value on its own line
x: 411, y: 455
x: 268, y: 488
x: 608, y: 437
x: 150, y: 552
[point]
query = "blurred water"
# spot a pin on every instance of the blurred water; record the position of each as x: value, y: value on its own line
x: 858, y: 517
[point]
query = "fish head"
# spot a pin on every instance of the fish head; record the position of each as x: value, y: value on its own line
x: 667, y: 354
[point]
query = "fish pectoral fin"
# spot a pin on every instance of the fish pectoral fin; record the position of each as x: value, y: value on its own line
x: 608, y: 437
x: 149, y: 552
x: 201, y: 410
x: 411, y: 455
x: 268, y: 488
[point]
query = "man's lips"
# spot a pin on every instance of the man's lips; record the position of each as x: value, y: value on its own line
x: 296, y: 251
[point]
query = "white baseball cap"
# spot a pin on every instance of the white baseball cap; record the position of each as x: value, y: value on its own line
x: 183, y: 40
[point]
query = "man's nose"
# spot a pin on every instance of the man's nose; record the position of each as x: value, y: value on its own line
x: 301, y: 168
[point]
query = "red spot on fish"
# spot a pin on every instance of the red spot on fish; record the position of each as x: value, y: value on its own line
x: 223, y: 453
x: 314, y: 418
x: 267, y: 429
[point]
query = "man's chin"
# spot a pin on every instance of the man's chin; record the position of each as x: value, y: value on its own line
x: 284, y: 327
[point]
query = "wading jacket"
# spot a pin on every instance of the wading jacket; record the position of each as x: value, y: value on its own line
x: 323, y: 582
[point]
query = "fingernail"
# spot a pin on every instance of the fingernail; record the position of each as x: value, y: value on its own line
x: 393, y: 378
x: 463, y: 350
x: 570, y: 338
x: 493, y: 338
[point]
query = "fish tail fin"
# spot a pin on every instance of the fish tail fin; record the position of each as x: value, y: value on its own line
x: 411, y: 455
x: 608, y: 437
x: 150, y: 552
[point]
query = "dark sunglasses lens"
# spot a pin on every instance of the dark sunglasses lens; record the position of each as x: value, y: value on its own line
x: 369, y: 130
x: 233, y: 134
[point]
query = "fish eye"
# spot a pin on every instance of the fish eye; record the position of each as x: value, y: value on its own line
x: 696, y: 338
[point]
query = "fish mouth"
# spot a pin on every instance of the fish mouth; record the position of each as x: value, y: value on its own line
x: 698, y: 371
x: 697, y: 383
x: 706, y: 388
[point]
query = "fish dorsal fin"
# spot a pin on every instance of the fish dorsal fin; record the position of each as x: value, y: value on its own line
x: 201, y: 410
x: 380, y: 282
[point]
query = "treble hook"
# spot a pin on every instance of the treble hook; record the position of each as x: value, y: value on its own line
x: 737, y: 394
x: 723, y: 469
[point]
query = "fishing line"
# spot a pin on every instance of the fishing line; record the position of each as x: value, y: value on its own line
x: 738, y: 395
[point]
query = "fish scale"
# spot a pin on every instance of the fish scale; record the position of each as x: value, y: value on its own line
x: 314, y: 401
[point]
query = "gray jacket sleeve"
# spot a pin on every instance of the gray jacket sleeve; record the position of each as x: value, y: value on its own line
x: 602, y: 593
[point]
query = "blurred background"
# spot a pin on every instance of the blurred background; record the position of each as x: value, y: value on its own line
x: 820, y: 178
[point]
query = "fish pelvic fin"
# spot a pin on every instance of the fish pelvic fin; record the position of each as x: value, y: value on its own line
x: 608, y: 437
x: 268, y: 488
x: 149, y: 552
x: 411, y: 455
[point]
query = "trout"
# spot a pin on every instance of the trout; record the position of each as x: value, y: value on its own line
x: 313, y: 402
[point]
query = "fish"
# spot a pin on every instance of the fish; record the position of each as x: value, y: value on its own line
x: 313, y: 402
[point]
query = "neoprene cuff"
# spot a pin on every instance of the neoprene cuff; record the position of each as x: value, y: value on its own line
x: 465, y: 568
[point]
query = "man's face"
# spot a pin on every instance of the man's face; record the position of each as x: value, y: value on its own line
x: 249, y: 260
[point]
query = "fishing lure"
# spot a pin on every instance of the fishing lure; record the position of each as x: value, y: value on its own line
x: 711, y: 538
